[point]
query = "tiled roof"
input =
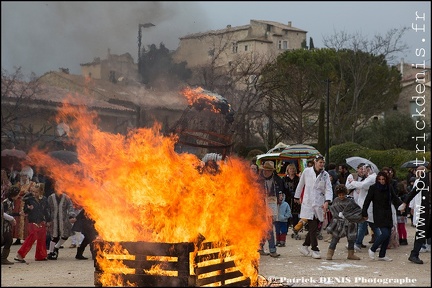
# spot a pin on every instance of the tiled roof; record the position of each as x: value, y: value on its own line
x: 132, y: 92
x: 280, y: 25
x: 57, y: 95
x: 216, y: 32
x: 243, y: 27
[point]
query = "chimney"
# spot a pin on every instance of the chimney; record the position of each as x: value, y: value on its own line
x: 289, y: 23
x: 229, y: 26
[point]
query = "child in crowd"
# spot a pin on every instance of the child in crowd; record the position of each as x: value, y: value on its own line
x: 346, y: 214
x: 281, y: 223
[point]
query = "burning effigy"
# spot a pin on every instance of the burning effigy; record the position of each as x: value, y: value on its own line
x: 160, y: 221
x: 214, y: 132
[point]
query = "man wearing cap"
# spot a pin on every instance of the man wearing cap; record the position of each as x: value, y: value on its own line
x: 272, y: 185
x: 317, y: 195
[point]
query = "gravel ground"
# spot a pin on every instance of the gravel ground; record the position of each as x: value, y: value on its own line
x: 291, y: 266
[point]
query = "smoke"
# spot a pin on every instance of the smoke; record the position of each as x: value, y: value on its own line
x: 44, y: 36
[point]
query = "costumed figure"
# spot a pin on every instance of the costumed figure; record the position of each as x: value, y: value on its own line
x: 62, y: 211
x: 25, y: 184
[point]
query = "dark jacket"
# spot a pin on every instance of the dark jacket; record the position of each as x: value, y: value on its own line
x: 290, y: 186
x: 85, y: 225
x: 276, y: 185
x: 40, y: 212
x: 382, y: 197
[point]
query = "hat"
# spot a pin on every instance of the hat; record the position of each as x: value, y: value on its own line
x: 361, y: 165
x: 27, y: 171
x: 319, y: 156
x: 268, y: 165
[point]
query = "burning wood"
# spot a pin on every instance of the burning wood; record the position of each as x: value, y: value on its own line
x: 138, y: 189
x: 167, y: 264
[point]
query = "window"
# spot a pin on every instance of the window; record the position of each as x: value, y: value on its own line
x: 283, y: 45
x: 246, y: 47
x: 413, y: 106
x: 112, y: 77
x: 234, y: 47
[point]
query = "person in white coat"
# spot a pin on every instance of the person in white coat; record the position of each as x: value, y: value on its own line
x: 361, y: 189
x: 314, y: 192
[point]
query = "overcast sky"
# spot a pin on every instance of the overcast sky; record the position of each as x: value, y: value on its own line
x: 44, y: 36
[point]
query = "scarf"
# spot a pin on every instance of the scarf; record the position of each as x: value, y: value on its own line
x: 385, y: 188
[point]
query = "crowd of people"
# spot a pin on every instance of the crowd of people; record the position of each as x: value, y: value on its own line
x: 34, y: 211
x: 343, y: 204
x: 319, y: 199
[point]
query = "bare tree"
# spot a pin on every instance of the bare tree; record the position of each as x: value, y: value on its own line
x: 237, y: 82
x: 388, y: 45
x: 17, y: 125
x: 294, y: 97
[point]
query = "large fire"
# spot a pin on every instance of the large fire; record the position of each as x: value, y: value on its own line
x: 137, y: 188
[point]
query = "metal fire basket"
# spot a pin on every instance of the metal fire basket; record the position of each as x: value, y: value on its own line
x: 151, y: 264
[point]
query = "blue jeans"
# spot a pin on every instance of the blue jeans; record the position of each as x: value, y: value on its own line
x: 271, y: 241
x: 383, y: 240
x: 281, y: 227
x: 361, y: 231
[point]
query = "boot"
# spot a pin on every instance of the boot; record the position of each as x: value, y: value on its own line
x: 372, y: 239
x: 351, y: 255
x: 414, y: 257
x: 4, y: 255
x: 330, y: 253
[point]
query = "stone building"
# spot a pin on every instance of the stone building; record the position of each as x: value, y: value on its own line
x: 416, y: 84
x: 114, y: 68
x: 258, y: 37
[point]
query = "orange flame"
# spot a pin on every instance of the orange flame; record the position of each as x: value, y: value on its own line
x: 202, y: 101
x: 137, y: 188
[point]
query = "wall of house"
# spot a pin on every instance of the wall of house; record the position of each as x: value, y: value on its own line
x: 93, y: 70
x: 406, y: 103
x: 276, y: 33
x: 412, y: 83
x: 122, y: 66
x: 195, y: 50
